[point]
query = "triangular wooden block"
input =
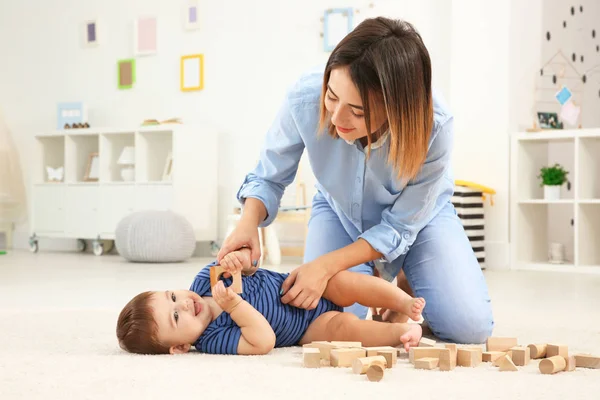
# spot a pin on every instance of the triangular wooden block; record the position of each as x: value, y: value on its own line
x: 506, y: 364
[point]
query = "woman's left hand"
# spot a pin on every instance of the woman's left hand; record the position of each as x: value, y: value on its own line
x: 304, y: 287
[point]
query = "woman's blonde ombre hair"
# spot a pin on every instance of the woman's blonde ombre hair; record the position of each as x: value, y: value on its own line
x: 388, y: 62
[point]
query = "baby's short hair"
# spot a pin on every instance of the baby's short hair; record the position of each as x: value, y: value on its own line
x: 136, y: 328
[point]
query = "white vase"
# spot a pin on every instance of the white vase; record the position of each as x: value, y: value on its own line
x: 128, y: 173
x: 552, y: 192
x: 556, y: 253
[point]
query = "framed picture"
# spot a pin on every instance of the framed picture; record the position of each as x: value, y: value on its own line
x: 70, y: 113
x: 126, y: 73
x: 92, y: 170
x: 191, y: 15
x: 90, y: 33
x: 168, y: 169
x: 145, y: 36
x: 192, y: 72
x: 549, y: 120
x: 337, y: 23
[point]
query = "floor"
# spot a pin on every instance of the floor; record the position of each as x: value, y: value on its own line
x: 58, y: 314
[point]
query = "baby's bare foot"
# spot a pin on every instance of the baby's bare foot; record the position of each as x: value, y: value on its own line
x: 412, y: 336
x: 415, y: 308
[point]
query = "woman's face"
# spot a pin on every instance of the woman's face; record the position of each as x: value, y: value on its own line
x: 344, y: 104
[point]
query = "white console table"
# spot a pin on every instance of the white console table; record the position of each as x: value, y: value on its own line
x: 78, y: 208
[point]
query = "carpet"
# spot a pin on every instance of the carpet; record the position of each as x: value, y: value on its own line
x: 73, y: 354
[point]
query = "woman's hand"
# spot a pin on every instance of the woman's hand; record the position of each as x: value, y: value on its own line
x: 244, y: 235
x: 305, y: 285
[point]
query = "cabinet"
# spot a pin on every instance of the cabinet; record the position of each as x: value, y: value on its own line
x: 174, y: 169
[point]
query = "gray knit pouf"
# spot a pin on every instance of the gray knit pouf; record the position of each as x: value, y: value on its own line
x: 155, y: 237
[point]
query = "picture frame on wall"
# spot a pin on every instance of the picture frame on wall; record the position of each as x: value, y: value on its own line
x: 337, y: 23
x: 191, y: 15
x: 192, y: 72
x: 92, y: 170
x: 145, y: 36
x: 90, y: 34
x: 70, y: 113
x: 126, y: 74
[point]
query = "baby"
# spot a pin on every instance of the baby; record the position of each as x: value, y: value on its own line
x: 216, y: 320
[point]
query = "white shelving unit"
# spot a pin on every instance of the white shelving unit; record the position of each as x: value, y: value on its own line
x: 77, y: 209
x: 574, y: 220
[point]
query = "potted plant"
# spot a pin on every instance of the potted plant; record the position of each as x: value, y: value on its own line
x: 553, y: 177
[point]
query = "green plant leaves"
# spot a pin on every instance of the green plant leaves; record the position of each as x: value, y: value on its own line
x: 555, y: 175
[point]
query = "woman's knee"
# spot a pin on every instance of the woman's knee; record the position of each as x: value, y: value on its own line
x: 472, y: 327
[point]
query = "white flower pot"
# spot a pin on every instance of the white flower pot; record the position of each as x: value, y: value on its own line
x: 552, y: 192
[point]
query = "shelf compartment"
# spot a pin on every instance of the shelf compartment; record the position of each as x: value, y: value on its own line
x: 589, y: 234
x: 532, y: 155
x: 51, y: 150
x: 538, y: 225
x: 111, y: 148
x: 79, y: 148
x: 153, y: 149
x: 589, y: 168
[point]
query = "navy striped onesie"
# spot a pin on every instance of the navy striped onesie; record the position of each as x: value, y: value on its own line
x: 261, y: 290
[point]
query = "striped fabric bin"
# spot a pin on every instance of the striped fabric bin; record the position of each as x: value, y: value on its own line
x: 469, y: 206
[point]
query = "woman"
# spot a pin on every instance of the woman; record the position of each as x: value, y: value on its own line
x: 379, y: 143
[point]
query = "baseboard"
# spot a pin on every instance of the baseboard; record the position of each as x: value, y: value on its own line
x: 497, y: 255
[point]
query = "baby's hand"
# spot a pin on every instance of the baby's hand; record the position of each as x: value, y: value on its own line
x: 237, y: 261
x: 226, y: 298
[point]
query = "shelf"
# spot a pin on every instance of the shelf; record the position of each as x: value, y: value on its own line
x: 153, y: 149
x: 536, y: 201
x: 589, y: 234
x: 51, y: 150
x: 569, y: 268
x: 79, y: 148
x: 589, y: 201
x: 538, y: 225
x: 112, y: 146
x: 557, y: 134
x: 589, y: 168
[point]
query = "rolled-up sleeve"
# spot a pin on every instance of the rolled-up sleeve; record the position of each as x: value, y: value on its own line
x: 419, y: 201
x: 278, y: 163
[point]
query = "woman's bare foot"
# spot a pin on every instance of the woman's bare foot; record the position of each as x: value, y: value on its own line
x: 412, y: 336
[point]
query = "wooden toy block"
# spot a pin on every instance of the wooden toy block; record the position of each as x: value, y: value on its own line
x: 587, y: 361
x: 215, y: 275
x: 372, y: 351
x: 416, y: 353
x: 427, y: 363
x: 453, y: 351
x: 500, y: 343
x: 557, y: 350
x: 497, y: 362
x: 324, y: 347
x: 491, y: 356
x: 344, y: 357
x: 361, y: 365
x: 552, y: 365
x: 312, y: 357
x: 537, y: 350
x: 391, y: 357
x: 506, y: 364
x: 447, y: 360
x: 521, y: 356
x: 424, y: 342
x: 571, y: 364
x: 469, y: 357
x: 375, y: 373
x: 377, y: 317
x: 342, y: 345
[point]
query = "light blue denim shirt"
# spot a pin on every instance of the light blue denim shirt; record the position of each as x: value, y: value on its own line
x: 366, y: 195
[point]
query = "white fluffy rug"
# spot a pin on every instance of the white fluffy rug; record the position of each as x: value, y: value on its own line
x: 73, y: 354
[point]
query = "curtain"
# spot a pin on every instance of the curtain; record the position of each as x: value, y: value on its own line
x: 13, y: 207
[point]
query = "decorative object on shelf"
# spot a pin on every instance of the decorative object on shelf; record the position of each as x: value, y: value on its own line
x: 191, y: 15
x: 77, y: 126
x: 71, y: 113
x: 126, y: 73
x: 553, y: 177
x: 144, y: 36
x: 55, y: 174
x: 549, y: 120
x: 153, y: 122
x: 192, y: 72
x: 93, y: 168
x: 168, y: 169
x: 556, y: 253
x: 127, y: 160
x: 90, y: 33
x: 337, y: 23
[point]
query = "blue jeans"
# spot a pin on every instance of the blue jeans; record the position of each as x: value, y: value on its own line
x: 440, y: 266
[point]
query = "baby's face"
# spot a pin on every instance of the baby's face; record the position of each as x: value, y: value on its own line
x: 181, y: 316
